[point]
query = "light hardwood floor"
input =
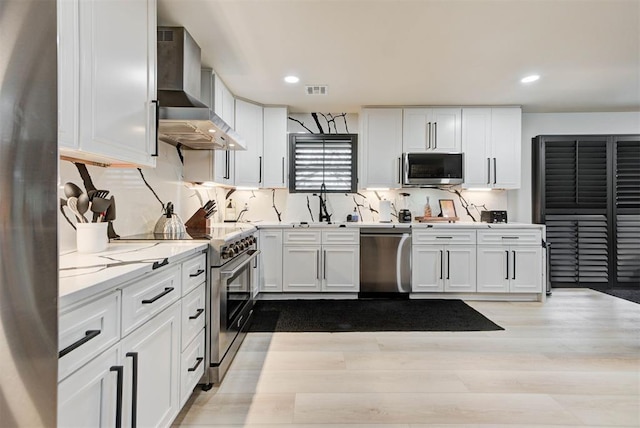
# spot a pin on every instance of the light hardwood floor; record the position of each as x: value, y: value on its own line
x: 571, y: 361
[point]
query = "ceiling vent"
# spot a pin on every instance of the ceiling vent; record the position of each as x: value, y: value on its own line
x: 317, y: 89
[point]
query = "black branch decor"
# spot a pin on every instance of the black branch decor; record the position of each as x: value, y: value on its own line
x: 465, y: 204
x: 318, y: 124
x: 273, y: 204
x: 309, y: 208
x: 150, y: 188
x: 330, y: 121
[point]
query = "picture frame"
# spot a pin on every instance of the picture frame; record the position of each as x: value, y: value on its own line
x: 447, y: 208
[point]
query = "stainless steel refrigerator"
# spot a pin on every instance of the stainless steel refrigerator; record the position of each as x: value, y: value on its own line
x: 28, y: 213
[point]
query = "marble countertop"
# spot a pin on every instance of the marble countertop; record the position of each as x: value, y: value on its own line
x: 84, y: 275
x: 413, y: 225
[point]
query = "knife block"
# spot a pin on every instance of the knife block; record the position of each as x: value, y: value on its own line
x: 197, y: 220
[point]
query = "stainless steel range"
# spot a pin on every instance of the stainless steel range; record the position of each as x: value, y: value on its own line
x: 233, y: 262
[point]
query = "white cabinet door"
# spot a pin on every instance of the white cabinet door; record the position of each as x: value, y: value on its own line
x: 249, y: 163
x: 431, y: 130
x: 154, y: 349
x: 526, y: 270
x: 224, y: 101
x: 427, y: 268
x: 381, y: 148
x: 87, y: 398
x: 492, y: 269
x: 301, y: 268
x: 118, y: 80
x: 460, y: 275
x: 506, y: 142
x: 341, y: 268
x: 476, y: 137
x: 275, y: 147
x: 270, y: 260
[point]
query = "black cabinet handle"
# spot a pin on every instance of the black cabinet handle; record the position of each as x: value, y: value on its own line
x: 448, y: 265
x: 495, y: 171
x: 88, y: 335
x: 157, y: 103
x: 441, y: 264
x: 166, y: 291
x: 227, y: 161
x: 198, y: 313
x: 119, y: 372
x: 260, y: 170
x: 198, y: 362
x: 134, y: 388
x: 283, y: 170
x: 514, y: 265
x: 198, y: 273
x: 488, y: 170
x: 428, y: 135
x: 435, y: 135
x: 507, y: 277
x: 399, y: 170
x: 157, y: 265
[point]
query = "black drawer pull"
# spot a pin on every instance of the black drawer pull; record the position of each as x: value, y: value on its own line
x: 166, y: 291
x: 198, y: 313
x: 157, y: 265
x: 198, y: 273
x: 198, y: 362
x: 88, y: 335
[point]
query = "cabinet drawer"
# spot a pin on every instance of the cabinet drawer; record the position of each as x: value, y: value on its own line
x: 509, y: 237
x: 86, y: 331
x: 302, y: 236
x: 444, y: 236
x: 193, y: 316
x: 191, y: 367
x: 143, y: 299
x: 348, y: 237
x: 194, y: 272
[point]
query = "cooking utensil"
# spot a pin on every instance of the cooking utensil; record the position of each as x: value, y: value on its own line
x: 83, y: 206
x: 99, y: 206
x: 63, y: 203
x: 72, y: 203
x: 97, y: 194
x: 71, y: 190
x: 110, y: 214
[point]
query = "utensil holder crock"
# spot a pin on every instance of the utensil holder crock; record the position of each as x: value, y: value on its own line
x: 91, y: 237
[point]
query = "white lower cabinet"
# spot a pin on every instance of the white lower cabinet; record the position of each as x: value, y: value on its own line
x: 443, y: 260
x: 321, y: 261
x: 270, y: 260
x: 510, y: 262
x: 144, y: 338
x: 152, y: 354
x: 88, y: 398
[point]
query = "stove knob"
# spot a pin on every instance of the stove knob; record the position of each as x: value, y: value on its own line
x: 238, y: 248
x: 229, y: 252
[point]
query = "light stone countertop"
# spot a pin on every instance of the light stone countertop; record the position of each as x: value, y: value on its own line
x: 84, y: 275
x: 413, y: 225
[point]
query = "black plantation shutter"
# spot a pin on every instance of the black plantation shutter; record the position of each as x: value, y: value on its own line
x: 318, y: 159
x: 627, y: 185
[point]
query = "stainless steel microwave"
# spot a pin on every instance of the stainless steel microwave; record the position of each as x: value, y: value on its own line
x: 428, y: 169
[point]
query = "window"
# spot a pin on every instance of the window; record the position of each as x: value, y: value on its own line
x: 317, y: 159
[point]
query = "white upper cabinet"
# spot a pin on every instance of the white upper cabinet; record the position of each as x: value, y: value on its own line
x: 491, y: 143
x: 249, y: 163
x: 431, y: 130
x: 107, y: 81
x: 275, y: 147
x: 381, y: 149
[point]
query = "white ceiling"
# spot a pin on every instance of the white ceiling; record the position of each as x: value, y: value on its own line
x: 429, y: 52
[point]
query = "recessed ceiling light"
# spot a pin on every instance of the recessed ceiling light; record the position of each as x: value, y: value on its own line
x: 530, y: 79
x: 292, y: 79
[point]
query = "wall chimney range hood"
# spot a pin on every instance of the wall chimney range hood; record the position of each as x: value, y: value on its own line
x: 183, y: 119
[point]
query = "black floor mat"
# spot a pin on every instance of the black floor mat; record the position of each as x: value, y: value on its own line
x: 367, y: 315
x: 627, y: 294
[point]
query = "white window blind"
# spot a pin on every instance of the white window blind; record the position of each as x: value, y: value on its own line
x: 318, y: 159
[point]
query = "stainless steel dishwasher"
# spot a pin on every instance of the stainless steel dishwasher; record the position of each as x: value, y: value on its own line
x: 385, y: 261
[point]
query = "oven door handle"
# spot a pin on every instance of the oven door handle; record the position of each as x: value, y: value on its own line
x: 226, y: 273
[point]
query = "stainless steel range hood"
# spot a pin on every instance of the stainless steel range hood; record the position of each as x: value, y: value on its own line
x: 183, y: 118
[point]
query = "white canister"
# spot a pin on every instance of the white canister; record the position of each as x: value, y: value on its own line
x: 385, y: 211
x: 91, y: 237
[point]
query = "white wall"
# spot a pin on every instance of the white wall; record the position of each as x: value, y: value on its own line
x: 533, y: 124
